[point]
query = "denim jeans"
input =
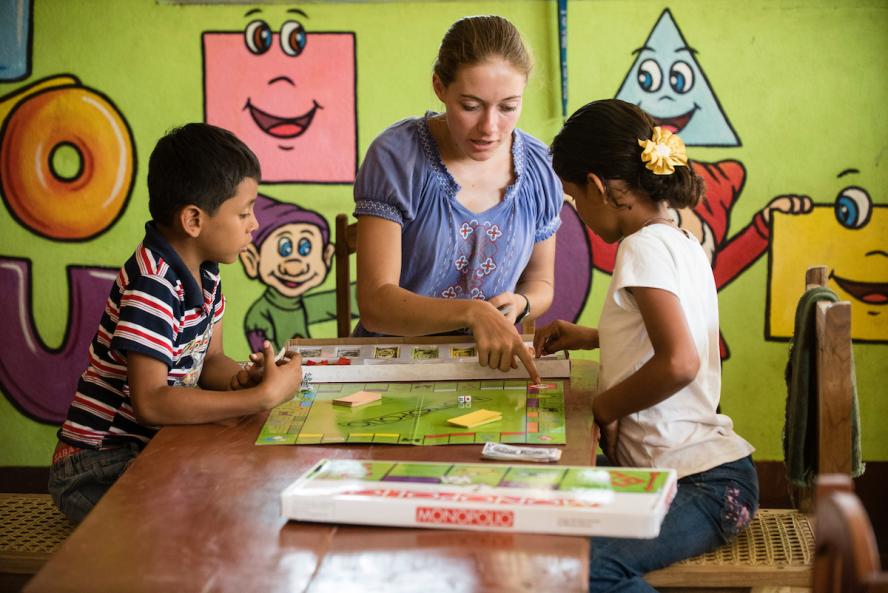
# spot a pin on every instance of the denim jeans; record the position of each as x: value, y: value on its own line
x: 709, y: 509
x: 78, y: 481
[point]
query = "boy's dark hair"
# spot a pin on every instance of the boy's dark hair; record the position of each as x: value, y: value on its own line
x: 602, y: 138
x: 196, y: 164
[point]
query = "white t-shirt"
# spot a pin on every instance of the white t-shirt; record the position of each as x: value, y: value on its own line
x: 683, y: 431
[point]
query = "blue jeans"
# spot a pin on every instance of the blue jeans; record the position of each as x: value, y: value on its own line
x: 78, y: 481
x: 709, y: 509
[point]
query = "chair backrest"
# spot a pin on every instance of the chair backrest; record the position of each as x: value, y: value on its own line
x: 834, y: 380
x: 345, y: 244
x: 846, y: 556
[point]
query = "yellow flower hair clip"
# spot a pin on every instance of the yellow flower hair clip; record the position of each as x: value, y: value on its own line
x: 663, y: 152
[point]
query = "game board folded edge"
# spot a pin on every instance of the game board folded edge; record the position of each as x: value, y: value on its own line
x: 433, y: 372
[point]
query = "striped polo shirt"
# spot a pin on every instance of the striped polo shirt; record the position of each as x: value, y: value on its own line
x: 157, y: 309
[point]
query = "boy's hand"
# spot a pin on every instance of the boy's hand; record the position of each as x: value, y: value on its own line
x: 279, y: 381
x: 251, y: 373
x: 562, y: 335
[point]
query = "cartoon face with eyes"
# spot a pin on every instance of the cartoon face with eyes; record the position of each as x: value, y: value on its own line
x: 294, y: 259
x: 667, y: 82
x: 287, y: 93
x: 850, y: 237
x: 291, y: 250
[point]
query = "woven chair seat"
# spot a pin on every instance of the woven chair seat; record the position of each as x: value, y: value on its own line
x: 31, y: 529
x: 776, y: 549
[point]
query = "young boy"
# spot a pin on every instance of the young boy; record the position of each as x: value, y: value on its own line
x: 157, y: 357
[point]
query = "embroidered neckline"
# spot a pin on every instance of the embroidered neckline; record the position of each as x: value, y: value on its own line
x: 448, y: 183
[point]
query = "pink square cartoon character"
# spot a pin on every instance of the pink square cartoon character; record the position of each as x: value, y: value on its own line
x: 288, y: 94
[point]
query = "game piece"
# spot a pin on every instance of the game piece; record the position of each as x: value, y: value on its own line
x: 461, y: 399
x: 503, y: 451
x: 358, y: 399
x: 543, y: 386
x: 467, y: 399
x: 476, y: 418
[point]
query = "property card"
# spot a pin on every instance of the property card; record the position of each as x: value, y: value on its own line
x: 358, y: 399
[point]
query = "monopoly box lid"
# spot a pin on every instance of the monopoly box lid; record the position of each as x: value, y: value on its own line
x: 571, y: 500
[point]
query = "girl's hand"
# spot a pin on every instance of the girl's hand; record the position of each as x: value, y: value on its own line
x: 563, y: 335
x: 497, y: 341
x: 281, y: 380
x: 608, y: 439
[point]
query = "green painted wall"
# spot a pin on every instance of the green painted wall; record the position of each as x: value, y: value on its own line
x: 803, y: 83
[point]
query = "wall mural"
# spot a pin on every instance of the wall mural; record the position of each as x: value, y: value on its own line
x: 667, y: 81
x: 67, y: 162
x: 16, y: 30
x: 289, y: 95
x: 850, y: 237
x: 291, y: 254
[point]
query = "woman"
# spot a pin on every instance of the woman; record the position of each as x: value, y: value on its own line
x: 457, y: 211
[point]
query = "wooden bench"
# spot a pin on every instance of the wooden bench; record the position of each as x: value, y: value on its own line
x: 31, y: 529
x: 777, y: 549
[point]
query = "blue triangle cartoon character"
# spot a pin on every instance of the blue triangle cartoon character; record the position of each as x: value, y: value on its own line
x: 667, y: 82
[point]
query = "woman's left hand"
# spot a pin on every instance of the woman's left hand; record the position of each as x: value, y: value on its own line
x: 510, y: 304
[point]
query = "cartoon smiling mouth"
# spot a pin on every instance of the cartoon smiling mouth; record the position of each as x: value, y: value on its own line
x: 294, y: 283
x: 871, y: 293
x: 282, y: 127
x: 675, y: 124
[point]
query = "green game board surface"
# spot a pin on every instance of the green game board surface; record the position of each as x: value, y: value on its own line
x: 414, y: 413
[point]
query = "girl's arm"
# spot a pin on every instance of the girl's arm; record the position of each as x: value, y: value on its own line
x: 673, y: 366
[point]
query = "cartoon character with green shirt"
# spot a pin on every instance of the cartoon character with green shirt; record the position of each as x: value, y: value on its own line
x: 291, y: 253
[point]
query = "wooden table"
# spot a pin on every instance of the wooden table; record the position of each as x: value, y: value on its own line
x: 199, y: 510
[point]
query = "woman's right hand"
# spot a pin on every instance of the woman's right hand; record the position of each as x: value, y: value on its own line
x: 281, y: 380
x: 498, y: 342
x: 563, y: 335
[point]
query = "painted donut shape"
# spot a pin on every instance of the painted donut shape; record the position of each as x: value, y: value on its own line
x: 67, y: 209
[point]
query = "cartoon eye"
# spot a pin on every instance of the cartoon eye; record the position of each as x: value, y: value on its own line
x: 853, y: 207
x: 304, y: 247
x: 650, y: 77
x: 293, y: 38
x: 257, y: 36
x: 681, y: 77
x: 285, y: 247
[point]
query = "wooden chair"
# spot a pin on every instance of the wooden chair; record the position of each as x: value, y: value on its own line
x: 345, y: 243
x: 777, y: 549
x: 846, y: 557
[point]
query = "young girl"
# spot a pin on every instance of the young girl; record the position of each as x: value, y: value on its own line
x: 457, y: 211
x: 660, y: 377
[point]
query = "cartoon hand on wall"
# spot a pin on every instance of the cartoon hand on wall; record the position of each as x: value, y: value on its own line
x: 788, y: 204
